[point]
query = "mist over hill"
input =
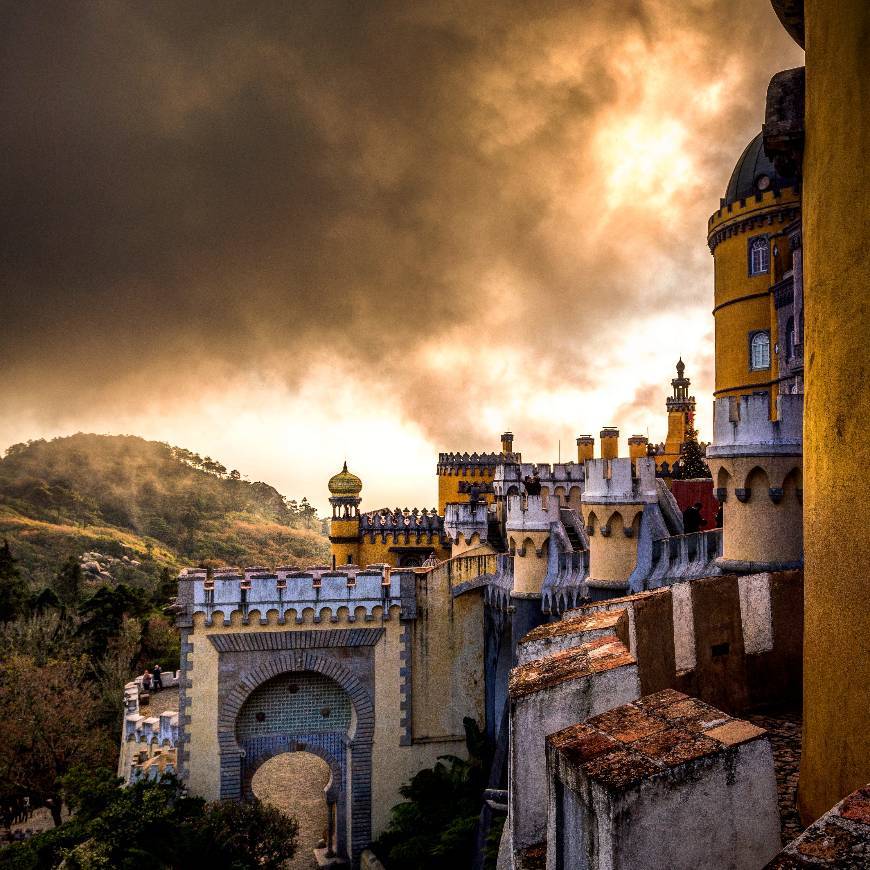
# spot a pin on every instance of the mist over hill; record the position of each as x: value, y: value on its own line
x: 130, y: 507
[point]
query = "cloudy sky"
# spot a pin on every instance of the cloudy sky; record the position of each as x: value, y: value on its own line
x: 290, y: 233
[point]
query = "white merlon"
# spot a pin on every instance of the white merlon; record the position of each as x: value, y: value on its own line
x: 564, y: 474
x: 464, y: 518
x: 527, y: 513
x: 285, y: 590
x: 620, y: 481
x: 742, y: 426
x: 684, y: 627
x: 755, y: 613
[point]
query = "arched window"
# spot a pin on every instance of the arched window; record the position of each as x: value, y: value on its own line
x: 789, y: 339
x: 759, y: 255
x: 759, y: 351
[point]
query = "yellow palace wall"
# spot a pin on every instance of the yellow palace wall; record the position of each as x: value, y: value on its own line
x: 363, y: 551
x: 836, y: 213
x: 448, y: 484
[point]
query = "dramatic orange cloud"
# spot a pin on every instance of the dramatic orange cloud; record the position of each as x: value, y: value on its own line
x: 283, y: 234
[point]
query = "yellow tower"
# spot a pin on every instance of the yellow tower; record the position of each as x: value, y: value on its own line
x: 344, y: 492
x: 458, y: 472
x: 681, y: 407
x: 751, y: 253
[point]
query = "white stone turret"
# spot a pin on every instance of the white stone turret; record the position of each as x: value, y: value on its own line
x: 757, y: 466
x: 467, y: 525
x: 616, y: 495
x: 620, y: 481
x: 742, y: 426
x: 528, y: 534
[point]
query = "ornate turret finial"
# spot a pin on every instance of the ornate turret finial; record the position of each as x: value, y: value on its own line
x: 345, y: 483
x: 681, y: 367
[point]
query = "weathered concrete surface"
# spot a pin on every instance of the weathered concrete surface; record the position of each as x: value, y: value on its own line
x: 667, y: 781
x: 547, y: 695
x: 570, y: 632
x: 840, y: 838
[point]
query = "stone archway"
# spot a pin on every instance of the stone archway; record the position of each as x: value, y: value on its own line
x: 349, y: 754
x: 296, y: 783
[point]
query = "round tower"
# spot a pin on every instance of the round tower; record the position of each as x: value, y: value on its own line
x: 344, y: 496
x: 748, y: 238
x: 757, y: 469
x: 528, y: 537
x: 616, y: 494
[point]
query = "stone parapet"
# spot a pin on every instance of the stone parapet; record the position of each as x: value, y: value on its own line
x: 546, y: 695
x: 527, y: 513
x: 565, y: 474
x: 454, y: 462
x: 682, y: 557
x: 286, y: 590
x: 466, y: 519
x: 666, y: 781
x: 742, y: 426
x: 420, y: 521
x: 620, y: 481
x: 839, y: 839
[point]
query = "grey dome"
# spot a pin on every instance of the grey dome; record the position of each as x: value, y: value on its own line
x: 753, y: 163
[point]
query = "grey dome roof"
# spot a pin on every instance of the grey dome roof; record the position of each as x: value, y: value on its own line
x: 752, y: 164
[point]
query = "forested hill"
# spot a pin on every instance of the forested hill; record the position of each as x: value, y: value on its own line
x: 143, y: 505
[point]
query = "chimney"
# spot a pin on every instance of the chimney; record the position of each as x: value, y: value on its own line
x: 637, y: 446
x: 585, y: 448
x: 609, y: 442
x: 507, y: 442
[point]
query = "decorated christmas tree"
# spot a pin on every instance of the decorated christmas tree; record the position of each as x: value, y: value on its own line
x: 692, y: 463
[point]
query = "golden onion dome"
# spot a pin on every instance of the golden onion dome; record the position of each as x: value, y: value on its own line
x: 345, y: 483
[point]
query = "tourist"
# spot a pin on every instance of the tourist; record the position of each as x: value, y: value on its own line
x: 146, y: 681
x: 692, y: 519
x: 157, y: 677
x: 533, y: 484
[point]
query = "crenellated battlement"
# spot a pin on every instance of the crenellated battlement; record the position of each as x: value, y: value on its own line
x: 566, y: 474
x: 401, y: 519
x: 469, y: 463
x: 742, y: 426
x: 620, y: 481
x: 527, y: 513
x: 284, y: 590
x: 758, y: 207
x: 466, y: 519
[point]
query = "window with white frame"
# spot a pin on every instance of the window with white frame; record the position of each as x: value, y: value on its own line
x: 759, y: 351
x: 759, y: 255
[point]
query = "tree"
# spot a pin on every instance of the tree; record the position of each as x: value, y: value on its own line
x: 250, y: 834
x: 47, y: 716
x: 69, y: 582
x: 156, y: 824
x: 13, y: 589
x: 692, y: 463
x: 103, y: 615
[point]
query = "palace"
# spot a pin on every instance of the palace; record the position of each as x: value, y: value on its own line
x: 611, y: 657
